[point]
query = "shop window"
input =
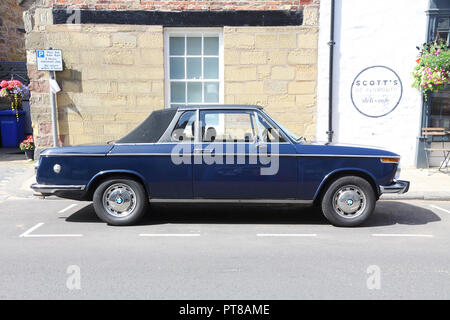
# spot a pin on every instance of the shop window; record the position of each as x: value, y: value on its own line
x: 194, y: 67
x: 443, y: 29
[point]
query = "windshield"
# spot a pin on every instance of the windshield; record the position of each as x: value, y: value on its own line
x: 291, y: 134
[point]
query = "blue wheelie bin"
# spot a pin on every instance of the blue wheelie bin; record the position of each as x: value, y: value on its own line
x: 12, y: 130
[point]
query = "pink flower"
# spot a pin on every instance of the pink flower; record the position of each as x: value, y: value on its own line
x: 3, y: 84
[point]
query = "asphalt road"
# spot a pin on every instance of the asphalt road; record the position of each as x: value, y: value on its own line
x: 58, y: 249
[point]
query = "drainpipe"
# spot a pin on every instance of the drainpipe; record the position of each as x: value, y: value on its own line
x: 331, y: 44
x: 53, y: 110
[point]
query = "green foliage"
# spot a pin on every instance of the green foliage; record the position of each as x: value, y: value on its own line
x: 432, y: 71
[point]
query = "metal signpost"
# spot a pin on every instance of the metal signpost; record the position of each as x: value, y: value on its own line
x: 51, y: 61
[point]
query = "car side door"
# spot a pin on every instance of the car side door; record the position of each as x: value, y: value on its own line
x: 231, y: 161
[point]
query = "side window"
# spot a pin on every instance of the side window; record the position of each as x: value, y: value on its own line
x: 185, y: 128
x: 228, y: 126
x: 268, y: 132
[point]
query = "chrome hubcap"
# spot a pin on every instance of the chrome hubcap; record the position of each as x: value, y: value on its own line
x: 349, y: 202
x: 119, y: 200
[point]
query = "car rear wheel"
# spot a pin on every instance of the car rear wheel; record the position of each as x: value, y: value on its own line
x: 120, y: 201
x: 348, y: 201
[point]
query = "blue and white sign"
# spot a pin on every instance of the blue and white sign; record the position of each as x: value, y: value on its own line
x: 49, y: 60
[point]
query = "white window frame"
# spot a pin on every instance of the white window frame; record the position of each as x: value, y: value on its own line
x: 193, y: 32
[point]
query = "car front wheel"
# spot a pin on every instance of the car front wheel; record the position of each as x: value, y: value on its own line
x: 120, y: 201
x: 348, y: 201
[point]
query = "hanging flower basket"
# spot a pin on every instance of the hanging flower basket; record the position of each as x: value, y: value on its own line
x: 11, y: 94
x: 8, y: 101
x: 432, y: 71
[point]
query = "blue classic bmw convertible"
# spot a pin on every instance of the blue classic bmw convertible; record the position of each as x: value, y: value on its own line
x: 219, y: 154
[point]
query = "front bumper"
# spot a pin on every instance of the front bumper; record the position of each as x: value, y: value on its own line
x: 64, y: 191
x: 398, y: 186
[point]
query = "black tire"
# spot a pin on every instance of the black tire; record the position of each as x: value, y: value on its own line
x: 347, y: 191
x: 122, y: 186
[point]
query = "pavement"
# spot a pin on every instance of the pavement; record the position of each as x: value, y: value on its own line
x: 16, y: 175
x: 426, y: 184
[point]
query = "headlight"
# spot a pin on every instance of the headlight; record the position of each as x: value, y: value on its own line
x: 397, y: 173
x: 57, y: 168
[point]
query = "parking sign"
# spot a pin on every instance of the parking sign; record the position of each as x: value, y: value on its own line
x: 49, y: 60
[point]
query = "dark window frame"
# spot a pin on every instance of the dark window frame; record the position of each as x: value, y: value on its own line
x: 435, y: 14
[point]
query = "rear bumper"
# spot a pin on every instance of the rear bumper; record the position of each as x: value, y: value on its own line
x: 398, y: 186
x: 63, y: 191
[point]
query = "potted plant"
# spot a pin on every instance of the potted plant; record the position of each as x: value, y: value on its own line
x: 11, y: 94
x: 27, y: 145
x: 432, y: 71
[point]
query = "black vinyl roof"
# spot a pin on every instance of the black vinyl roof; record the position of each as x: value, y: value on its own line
x: 152, y: 128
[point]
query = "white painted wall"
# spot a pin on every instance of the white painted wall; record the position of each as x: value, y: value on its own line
x: 368, y: 33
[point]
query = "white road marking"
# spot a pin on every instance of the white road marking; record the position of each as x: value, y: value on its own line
x: 286, y: 235
x: 67, y: 208
x: 27, y: 234
x: 402, y: 235
x: 169, y: 235
x: 439, y: 208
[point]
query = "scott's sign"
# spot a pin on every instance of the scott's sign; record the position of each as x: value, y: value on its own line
x: 376, y: 91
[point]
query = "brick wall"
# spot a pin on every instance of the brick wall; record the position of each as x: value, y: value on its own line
x: 171, y: 5
x: 12, y: 37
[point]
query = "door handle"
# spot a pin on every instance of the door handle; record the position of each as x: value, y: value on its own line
x: 200, y: 151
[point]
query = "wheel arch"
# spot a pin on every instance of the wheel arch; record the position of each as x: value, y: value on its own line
x: 339, y: 173
x: 103, y: 175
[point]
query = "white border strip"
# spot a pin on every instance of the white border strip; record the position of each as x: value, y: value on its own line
x: 27, y: 234
x: 402, y: 235
x: 439, y: 208
x: 286, y: 235
x: 169, y: 235
x: 67, y: 208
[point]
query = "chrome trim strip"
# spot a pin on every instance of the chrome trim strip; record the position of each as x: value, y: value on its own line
x: 74, y: 155
x: 197, y: 154
x: 218, y: 107
x: 346, y: 156
x: 287, y: 201
x: 48, y: 188
x: 254, y: 154
x: 189, y: 142
x: 220, y: 154
x: 140, y: 154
